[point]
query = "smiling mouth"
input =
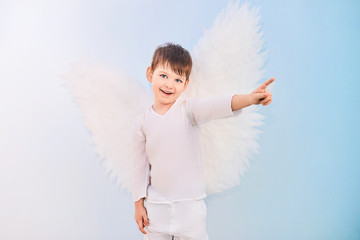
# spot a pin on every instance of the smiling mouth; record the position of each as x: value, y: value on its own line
x: 167, y: 93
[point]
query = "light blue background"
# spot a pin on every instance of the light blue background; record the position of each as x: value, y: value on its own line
x: 305, y: 182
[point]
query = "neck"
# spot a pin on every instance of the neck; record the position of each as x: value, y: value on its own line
x: 162, y: 108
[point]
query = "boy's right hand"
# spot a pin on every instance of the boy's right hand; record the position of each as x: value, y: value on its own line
x: 141, y: 215
x: 261, y: 95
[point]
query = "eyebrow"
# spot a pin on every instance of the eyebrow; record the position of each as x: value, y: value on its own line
x: 181, y: 77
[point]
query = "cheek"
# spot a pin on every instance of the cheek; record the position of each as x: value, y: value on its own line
x: 155, y: 87
x: 180, y: 87
x: 155, y: 84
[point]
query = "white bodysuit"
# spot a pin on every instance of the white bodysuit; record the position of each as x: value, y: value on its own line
x: 168, y: 163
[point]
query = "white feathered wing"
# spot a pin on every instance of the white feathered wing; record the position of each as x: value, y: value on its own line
x: 109, y: 106
x: 227, y: 60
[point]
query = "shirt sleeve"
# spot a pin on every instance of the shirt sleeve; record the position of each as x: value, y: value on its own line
x: 203, y: 110
x: 141, y: 166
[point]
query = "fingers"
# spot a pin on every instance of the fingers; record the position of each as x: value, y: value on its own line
x: 267, y: 103
x: 146, y: 221
x: 267, y: 100
x: 141, y: 226
x: 259, y: 92
x: 266, y: 83
x: 262, y: 96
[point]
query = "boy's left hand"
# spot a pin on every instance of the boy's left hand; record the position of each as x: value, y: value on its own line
x: 264, y: 92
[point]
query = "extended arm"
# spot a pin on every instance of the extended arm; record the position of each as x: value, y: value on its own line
x: 203, y: 110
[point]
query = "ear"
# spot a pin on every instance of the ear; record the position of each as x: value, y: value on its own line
x: 149, y: 74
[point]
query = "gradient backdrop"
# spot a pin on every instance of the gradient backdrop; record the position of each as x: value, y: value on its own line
x: 304, y: 184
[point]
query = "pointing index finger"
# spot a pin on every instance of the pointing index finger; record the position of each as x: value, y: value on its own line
x: 267, y: 83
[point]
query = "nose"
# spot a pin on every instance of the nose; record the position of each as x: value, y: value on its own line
x: 169, y: 85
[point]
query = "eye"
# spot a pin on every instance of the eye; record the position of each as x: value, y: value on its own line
x: 179, y: 80
x: 162, y: 75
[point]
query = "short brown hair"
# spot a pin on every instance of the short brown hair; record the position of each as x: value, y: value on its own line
x: 175, y: 55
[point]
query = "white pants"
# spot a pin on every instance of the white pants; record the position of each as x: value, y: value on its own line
x: 183, y: 220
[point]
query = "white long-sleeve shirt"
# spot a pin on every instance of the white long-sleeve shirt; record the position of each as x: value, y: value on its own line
x: 168, y: 163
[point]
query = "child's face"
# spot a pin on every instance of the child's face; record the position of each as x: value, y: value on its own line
x: 166, y: 84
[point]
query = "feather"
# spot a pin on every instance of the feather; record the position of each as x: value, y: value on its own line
x: 228, y: 60
x: 109, y: 101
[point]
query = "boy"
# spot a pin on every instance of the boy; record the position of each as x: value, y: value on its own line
x: 168, y: 182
